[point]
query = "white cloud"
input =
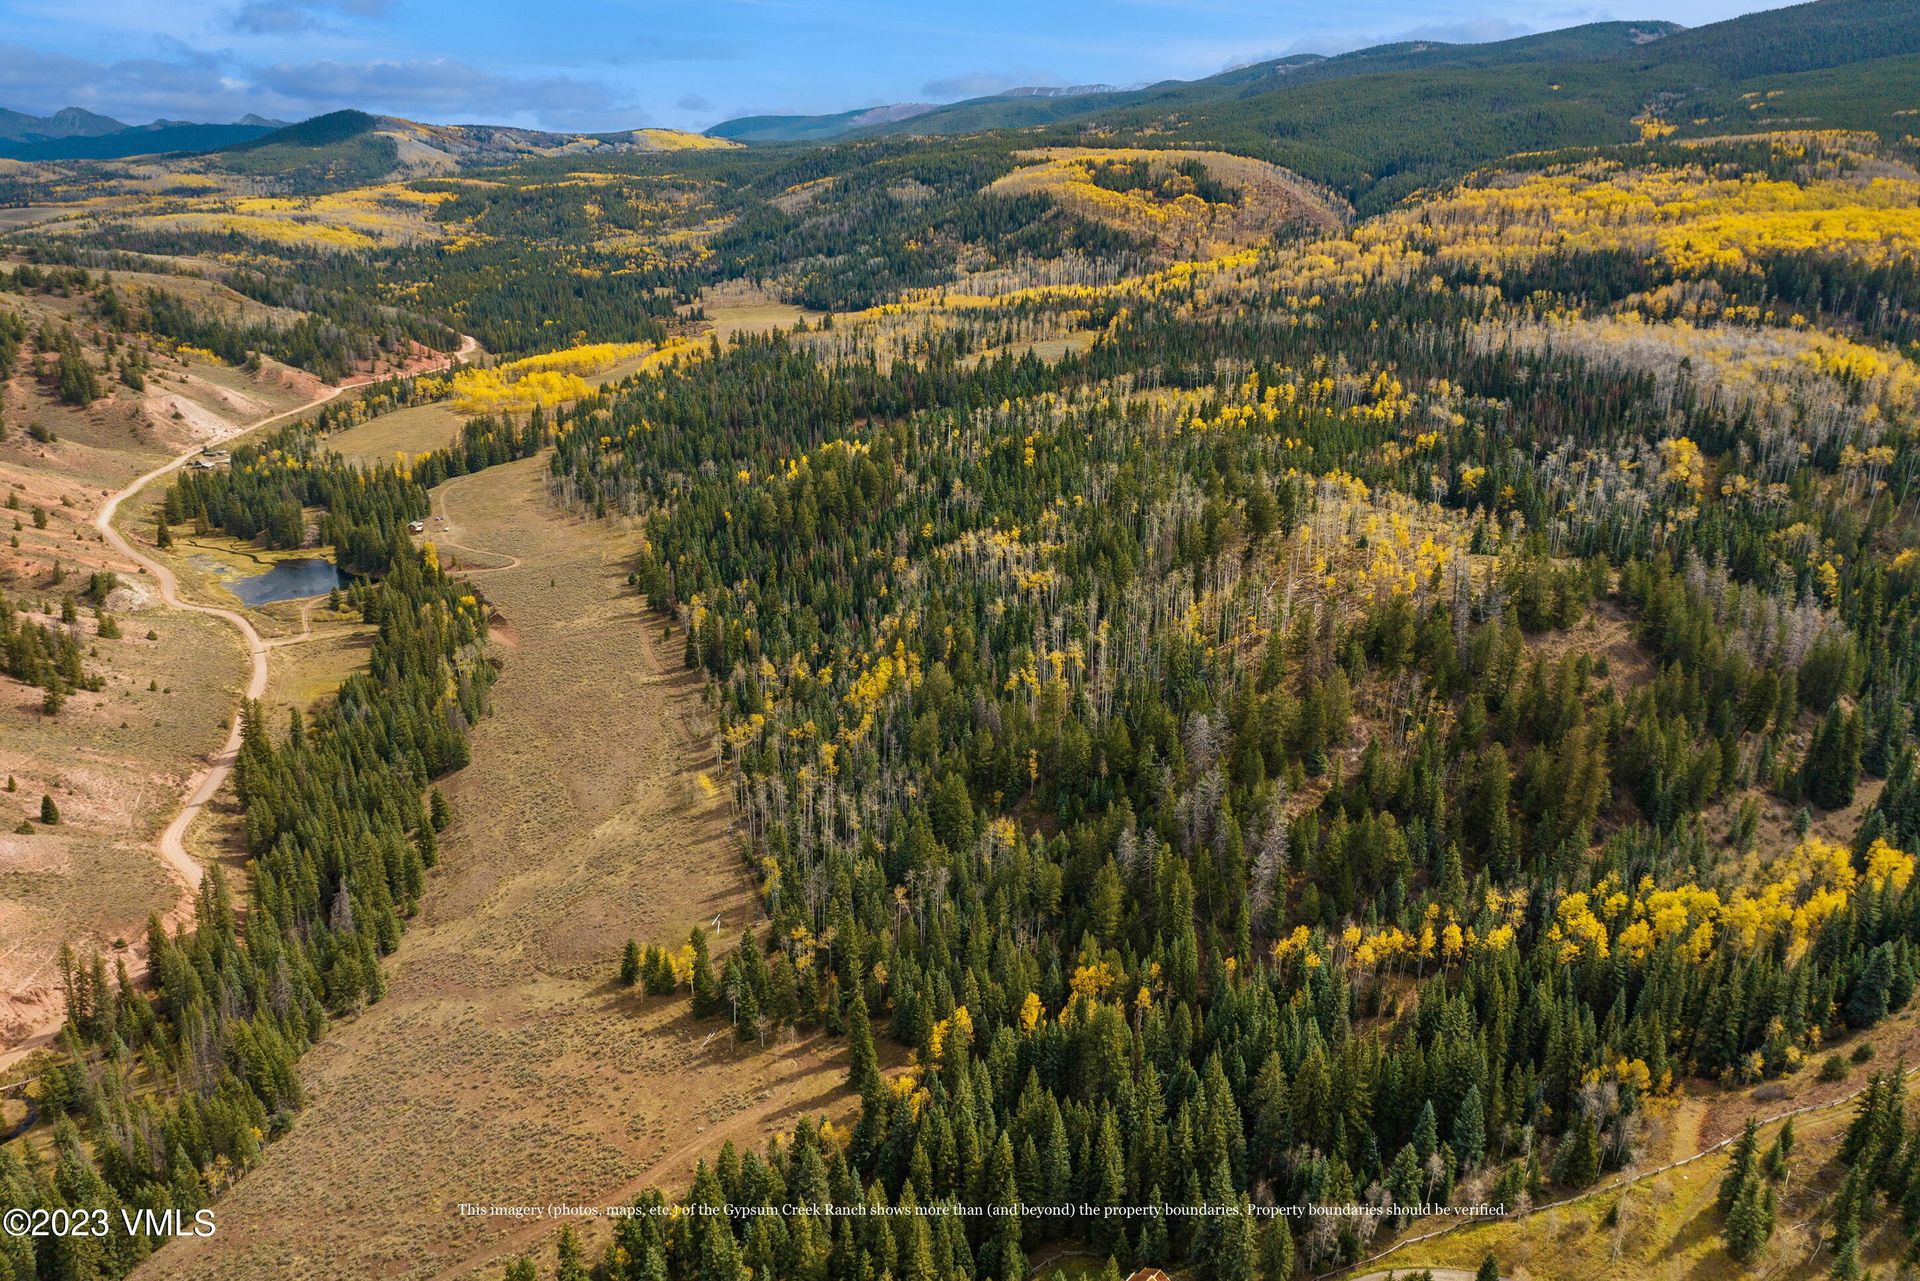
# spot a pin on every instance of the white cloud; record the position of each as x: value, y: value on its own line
x: 203, y: 86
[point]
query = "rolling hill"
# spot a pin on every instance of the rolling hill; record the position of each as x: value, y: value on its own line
x: 352, y: 147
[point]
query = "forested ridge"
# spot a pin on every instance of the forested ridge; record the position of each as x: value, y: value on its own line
x: 1209, y: 818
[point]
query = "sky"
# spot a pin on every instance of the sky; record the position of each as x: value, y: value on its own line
x: 614, y: 64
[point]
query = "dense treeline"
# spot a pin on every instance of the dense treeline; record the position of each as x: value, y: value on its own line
x: 887, y: 216
x: 321, y: 347
x: 267, y: 490
x: 13, y: 330
x: 340, y: 324
x: 1180, y: 894
x: 159, y: 1101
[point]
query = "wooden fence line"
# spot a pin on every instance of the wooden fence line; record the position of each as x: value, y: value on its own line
x: 1625, y: 1181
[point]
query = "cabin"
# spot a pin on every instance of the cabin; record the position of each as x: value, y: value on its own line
x: 203, y: 464
x: 1149, y: 1274
x: 417, y: 526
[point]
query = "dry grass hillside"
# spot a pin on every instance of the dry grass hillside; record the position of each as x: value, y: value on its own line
x: 114, y: 760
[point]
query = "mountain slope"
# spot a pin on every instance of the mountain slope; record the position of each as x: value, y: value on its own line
x: 815, y: 128
x: 1378, y: 137
x: 76, y: 134
x: 1802, y: 37
x: 1378, y: 123
x: 68, y: 122
x: 1028, y: 109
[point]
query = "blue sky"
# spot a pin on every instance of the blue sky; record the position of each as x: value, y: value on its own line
x: 605, y: 64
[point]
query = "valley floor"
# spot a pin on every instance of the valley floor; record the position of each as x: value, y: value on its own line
x: 505, y: 1066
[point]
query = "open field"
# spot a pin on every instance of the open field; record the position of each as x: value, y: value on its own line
x: 306, y: 668
x: 737, y: 307
x: 504, y: 1065
x: 409, y: 431
x: 26, y: 215
x: 114, y: 762
x: 1665, y: 1227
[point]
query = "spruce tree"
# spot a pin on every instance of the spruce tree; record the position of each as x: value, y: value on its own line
x: 1470, y: 1130
x: 573, y: 1265
x: 1740, y: 1164
x: 1577, y: 1163
x: 1867, y: 1004
x: 1426, y: 1133
x: 1749, y: 1219
x: 1001, y: 1258
x: 1276, y: 1251
x: 1777, y: 1154
x: 863, y: 1064
x: 707, y: 998
x: 746, y: 1007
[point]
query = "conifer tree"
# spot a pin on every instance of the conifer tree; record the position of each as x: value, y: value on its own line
x: 1577, y: 1163
x: 1276, y: 1251
x: 1740, y: 1164
x: 573, y: 1266
x: 1470, y: 1130
x: 1001, y: 1258
x: 863, y: 1064
x: 707, y: 998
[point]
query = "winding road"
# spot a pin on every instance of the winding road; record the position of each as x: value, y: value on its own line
x: 205, y: 782
x: 438, y: 506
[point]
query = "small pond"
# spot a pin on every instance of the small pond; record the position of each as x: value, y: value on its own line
x: 288, y: 580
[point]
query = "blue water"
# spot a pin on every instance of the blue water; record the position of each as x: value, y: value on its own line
x: 289, y: 580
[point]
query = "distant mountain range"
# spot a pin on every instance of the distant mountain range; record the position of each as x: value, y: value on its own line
x: 1670, y: 58
x: 338, y: 145
x: 1375, y: 124
x: 873, y: 119
x: 1031, y: 107
x: 76, y: 134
